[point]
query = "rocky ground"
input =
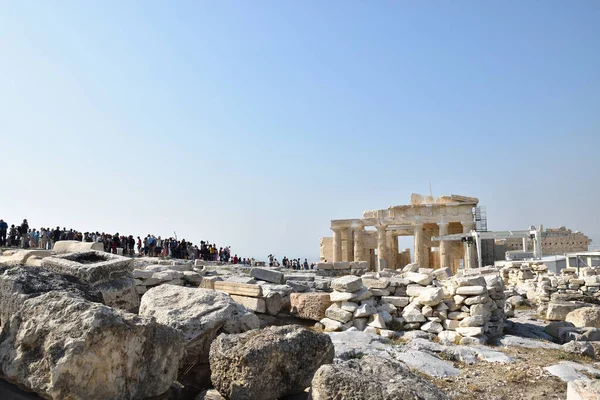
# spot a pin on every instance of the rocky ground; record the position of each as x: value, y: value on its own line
x: 66, y: 332
x: 517, y: 367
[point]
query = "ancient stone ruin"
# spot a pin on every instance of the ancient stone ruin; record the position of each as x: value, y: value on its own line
x: 92, y: 325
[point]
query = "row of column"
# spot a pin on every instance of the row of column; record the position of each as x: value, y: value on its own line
x: 387, y: 242
x: 355, y: 245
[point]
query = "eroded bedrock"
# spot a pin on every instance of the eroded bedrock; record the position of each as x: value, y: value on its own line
x: 56, y: 342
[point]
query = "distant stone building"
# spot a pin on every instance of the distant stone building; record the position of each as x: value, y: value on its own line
x: 374, y: 237
x: 555, y: 241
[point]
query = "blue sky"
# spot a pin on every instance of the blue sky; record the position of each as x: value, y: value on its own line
x: 255, y: 123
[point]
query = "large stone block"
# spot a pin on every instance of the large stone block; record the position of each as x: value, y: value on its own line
x: 268, y: 363
x: 348, y: 283
x: 269, y: 275
x: 341, y: 265
x: 240, y: 289
x: 255, y: 304
x: 65, y: 347
x: 585, y: 316
x: 310, y: 306
x: 557, y: 311
x: 20, y: 257
x: 431, y: 296
x: 200, y: 314
x: 74, y: 246
x: 371, y: 378
x: 90, y: 266
x: 110, y: 274
x: 335, y: 313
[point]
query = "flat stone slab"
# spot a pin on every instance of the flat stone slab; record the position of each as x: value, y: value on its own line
x: 350, y: 343
x: 20, y: 257
x: 75, y: 246
x: 426, y: 363
x: 516, y: 341
x: 569, y: 371
x: 268, y: 275
x: 240, y: 289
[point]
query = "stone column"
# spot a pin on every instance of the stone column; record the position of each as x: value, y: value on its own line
x: 394, y: 251
x: 381, y: 248
x: 337, y: 245
x: 359, y: 248
x: 418, y: 244
x: 524, y: 244
x: 390, y: 249
x: 349, y: 244
x: 444, y: 248
x: 469, y: 257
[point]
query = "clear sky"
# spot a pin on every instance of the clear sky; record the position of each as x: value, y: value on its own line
x: 254, y: 123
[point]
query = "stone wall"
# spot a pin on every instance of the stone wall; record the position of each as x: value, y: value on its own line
x: 465, y: 309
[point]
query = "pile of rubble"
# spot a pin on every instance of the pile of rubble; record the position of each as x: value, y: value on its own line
x: 534, y: 282
x: 466, y: 309
x: 150, y: 272
x: 341, y: 268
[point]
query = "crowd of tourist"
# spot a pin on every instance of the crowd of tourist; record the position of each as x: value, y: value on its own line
x: 150, y: 245
x: 294, y: 263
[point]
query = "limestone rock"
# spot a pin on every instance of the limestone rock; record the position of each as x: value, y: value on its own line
x: 310, y: 305
x: 20, y: 257
x: 331, y: 325
x: 268, y: 363
x: 395, y: 300
x: 376, y: 283
x: 337, y: 314
x: 273, y: 303
x: 110, y: 274
x: 348, y: 283
x: 421, y: 279
x: 469, y: 331
x: 583, y: 317
x: 255, y: 304
x: 211, y: 394
x: 365, y: 310
x: 557, y: 311
x: 75, y: 246
x: 341, y: 296
x: 268, y: 275
x: 431, y: 296
x: 65, y: 347
x: 583, y: 389
x: 200, y: 314
x: 371, y: 378
x: 470, y: 290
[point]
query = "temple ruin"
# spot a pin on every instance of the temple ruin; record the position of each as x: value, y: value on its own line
x: 374, y: 237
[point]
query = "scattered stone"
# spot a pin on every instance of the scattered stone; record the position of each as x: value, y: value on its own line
x: 431, y: 296
x: 371, y: 378
x: 200, y: 314
x: 337, y: 314
x: 268, y: 275
x: 557, y: 311
x: 65, y: 347
x: 583, y: 389
x: 427, y: 364
x: 584, y: 317
x: 569, y: 371
x: 268, y: 363
x: 347, y: 283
